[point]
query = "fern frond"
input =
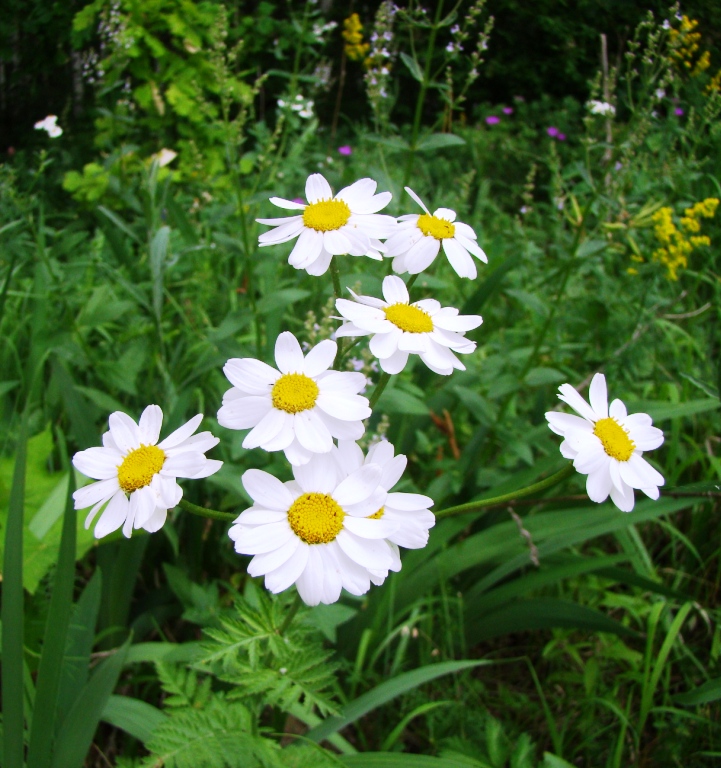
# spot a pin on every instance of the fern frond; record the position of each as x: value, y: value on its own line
x: 183, y: 686
x: 219, y: 736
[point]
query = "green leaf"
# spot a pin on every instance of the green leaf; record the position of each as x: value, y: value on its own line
x: 544, y: 613
x: 589, y: 247
x: 413, y: 67
x: 395, y: 143
x: 396, y: 401
x: 537, y: 377
x: 709, y: 691
x: 281, y: 299
x: 158, y: 257
x: 168, y: 652
x: 386, y: 692
x: 439, y: 141
x: 56, y: 628
x: 661, y: 411
x: 79, y: 725
x: 136, y: 717
x: 119, y: 223
x: 12, y: 613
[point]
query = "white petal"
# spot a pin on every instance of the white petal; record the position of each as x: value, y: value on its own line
x: 183, y: 464
x: 617, y: 410
x: 598, y: 396
x: 421, y: 255
x: 156, y: 521
x: 310, y: 582
x: 125, y: 431
x: 98, y: 463
x: 343, y: 430
x: 646, y: 438
x: 598, y: 485
x: 336, y: 243
x: 456, y: 323
x: 114, y: 515
x: 289, y: 205
x: 416, y: 198
x: 394, y: 290
x: 210, y: 467
x: 283, y: 232
x: 182, y: 433
x: 142, y: 505
x: 344, y: 406
x: 459, y: 258
x: 624, y: 501
x: 337, y: 382
x: 297, y: 455
x: 370, y: 553
x: 311, y: 432
x: 276, y: 558
x: 268, y: 428
x: 317, y: 188
x: 266, y: 490
x: 244, y: 412
x: 402, y: 241
x: 445, y: 213
x: 319, y: 265
x: 395, y: 363
x: 307, y: 249
x: 151, y: 420
x: 95, y: 492
x: 255, y: 540
x: 349, y: 455
x: 384, y: 345
x: 169, y: 493
x: 408, y: 502
x: 569, y: 395
x: 359, y: 485
x: 318, y: 475
x: 471, y: 246
x: 249, y: 375
x: 561, y: 423
x: 320, y: 358
x: 281, y: 578
x: 369, y: 529
x: 288, y: 354
x: 259, y: 516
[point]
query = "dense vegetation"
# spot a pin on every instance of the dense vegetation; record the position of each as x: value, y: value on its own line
x: 536, y: 628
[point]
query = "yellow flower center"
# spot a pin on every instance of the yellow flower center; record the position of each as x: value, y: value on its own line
x: 316, y: 518
x: 326, y: 215
x: 294, y: 392
x: 435, y: 227
x: 615, y: 439
x: 377, y: 515
x: 139, y: 467
x: 409, y: 318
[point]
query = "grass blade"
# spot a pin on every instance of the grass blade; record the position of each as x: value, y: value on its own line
x: 709, y: 691
x: 136, y: 717
x: 386, y: 692
x: 12, y: 613
x: 78, y: 728
x: 56, y: 629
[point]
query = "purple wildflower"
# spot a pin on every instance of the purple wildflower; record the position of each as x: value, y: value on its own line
x: 493, y: 120
x: 561, y: 136
x: 345, y: 150
x: 552, y: 131
x: 678, y: 111
x: 507, y: 110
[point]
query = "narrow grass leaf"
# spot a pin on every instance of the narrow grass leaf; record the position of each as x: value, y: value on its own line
x: 399, y: 760
x: 386, y: 692
x: 56, y: 629
x: 12, y: 613
x: 136, y: 717
x: 709, y: 691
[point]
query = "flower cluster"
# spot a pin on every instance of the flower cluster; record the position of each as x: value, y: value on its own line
x: 684, y: 43
x: 50, y: 125
x: 349, y: 223
x: 299, y: 105
x: 677, y: 244
x: 602, y: 108
x: 379, y: 61
x: 354, y: 48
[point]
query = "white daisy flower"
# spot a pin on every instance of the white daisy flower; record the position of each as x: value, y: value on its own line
x: 314, y: 531
x: 607, y: 444
x: 299, y: 408
x: 137, y: 475
x: 399, y: 328
x: 328, y: 226
x: 419, y: 238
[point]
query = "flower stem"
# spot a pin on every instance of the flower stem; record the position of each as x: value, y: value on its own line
x: 335, y: 275
x: 411, y: 280
x: 380, y: 386
x: 213, y: 514
x: 495, y: 500
x: 297, y: 602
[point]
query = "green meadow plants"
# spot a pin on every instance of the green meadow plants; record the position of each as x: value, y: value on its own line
x: 329, y: 456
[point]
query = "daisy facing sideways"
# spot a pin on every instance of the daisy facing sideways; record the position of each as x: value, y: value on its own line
x: 399, y: 328
x: 137, y: 475
x: 315, y: 531
x: 607, y: 444
x: 298, y: 408
x: 328, y: 226
x: 419, y: 237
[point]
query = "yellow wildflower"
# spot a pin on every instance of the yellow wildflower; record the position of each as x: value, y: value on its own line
x: 685, y: 44
x: 355, y: 49
x: 676, y: 247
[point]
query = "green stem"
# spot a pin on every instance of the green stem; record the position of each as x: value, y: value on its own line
x: 335, y: 275
x: 378, y: 391
x: 422, y: 93
x: 411, y: 281
x: 213, y: 514
x: 297, y: 602
x: 496, y: 500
